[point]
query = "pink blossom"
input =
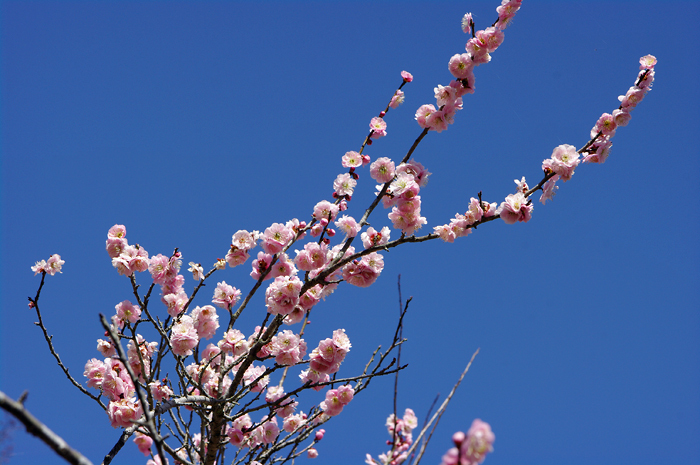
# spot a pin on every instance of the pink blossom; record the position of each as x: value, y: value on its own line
x: 225, y: 296
x: 422, y: 115
x: 288, y: 348
x: 632, y: 98
x: 206, y: 321
x: 260, y: 266
x: 417, y: 170
x: 282, y: 267
x: 605, y: 125
x: 106, y: 348
x: 344, y: 184
x: 564, y: 161
x: 397, y: 99
x: 292, y: 422
x: 598, y: 151
x: 621, y: 116
x: 54, y: 264
x: 184, y: 336
x: 478, y: 443
x: 647, y: 62
x: 40, y: 267
x: 372, y: 238
x: 196, y: 270
x: 233, y: 342
x: 406, y: 76
x: 348, y: 225
x: 143, y: 442
x: 324, y: 210
x: 146, y: 350
x: 312, y: 453
x: 352, y: 160
x: 332, y: 406
x: 549, y: 189
x: 123, y: 412
x: 378, y: 127
x: 515, y: 208
x: 160, y: 391
x: 276, y: 237
x: 506, y: 11
x: 236, y: 257
x: 478, y: 50
x: 126, y: 311
x: 115, y: 245
x: 364, y: 272
x: 254, y: 375
x: 282, y: 295
x: 94, y: 372
x: 382, y: 170
x: 117, y: 231
x: 243, y: 240
x: 313, y: 256
x: 175, y: 302
x: 467, y: 23
x: 492, y: 37
x: 270, y: 431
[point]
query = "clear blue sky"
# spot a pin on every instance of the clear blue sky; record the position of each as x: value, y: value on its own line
x: 188, y: 121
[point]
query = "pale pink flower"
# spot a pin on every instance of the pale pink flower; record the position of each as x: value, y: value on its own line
x: 225, y: 296
x: 506, y: 11
x: 422, y: 115
x: 260, y: 266
x: 515, y: 208
x: 254, y: 375
x: 324, y: 210
x: 184, y: 336
x: 234, y: 342
x: 598, y: 151
x: 313, y: 256
x: 270, y: 431
x: 372, y: 238
x: 348, y: 225
x: 276, y: 237
x: 175, y: 302
x: 94, y: 372
x: 206, y: 321
x: 282, y: 295
x: 332, y: 406
x: 364, y: 272
x: 632, y: 98
x: 292, y: 422
x: 243, y: 240
x: 236, y: 257
x: 117, y: 231
x: 478, y: 50
x: 397, y: 99
x: 115, y: 245
x: 605, y: 125
x: 143, y: 442
x: 549, y: 189
x: 196, y: 270
x: 160, y: 391
x: 621, y: 116
x: 522, y: 185
x: 40, y: 267
x: 378, y: 127
x: 288, y: 348
x: 417, y: 170
x: 382, y: 170
x: 478, y: 443
x: 312, y: 453
x: 647, y: 62
x: 106, y: 348
x: 564, y: 161
x: 123, y: 412
x: 282, y: 267
x: 54, y: 264
x: 461, y: 66
x: 467, y: 23
x: 406, y: 76
x: 352, y: 160
x: 492, y: 37
x: 344, y: 184
x: 126, y: 311
x: 345, y: 394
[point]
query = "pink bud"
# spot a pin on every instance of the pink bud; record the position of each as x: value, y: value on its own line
x: 458, y: 438
x: 382, y: 114
x: 312, y: 453
x: 319, y: 434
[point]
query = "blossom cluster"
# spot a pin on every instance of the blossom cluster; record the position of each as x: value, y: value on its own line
x: 326, y: 358
x: 478, y: 50
x: 470, y: 448
x: 51, y: 267
x: 401, y: 432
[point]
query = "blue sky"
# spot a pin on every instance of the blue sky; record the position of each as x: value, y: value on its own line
x: 189, y: 121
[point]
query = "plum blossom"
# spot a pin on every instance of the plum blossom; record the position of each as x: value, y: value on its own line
x: 563, y: 162
x: 378, y: 127
x: 123, y: 412
x: 352, y: 160
x: 225, y: 296
x: 406, y: 76
x: 196, y: 270
x: 184, y: 336
x: 515, y: 208
x: 344, y: 184
x: 397, y: 99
